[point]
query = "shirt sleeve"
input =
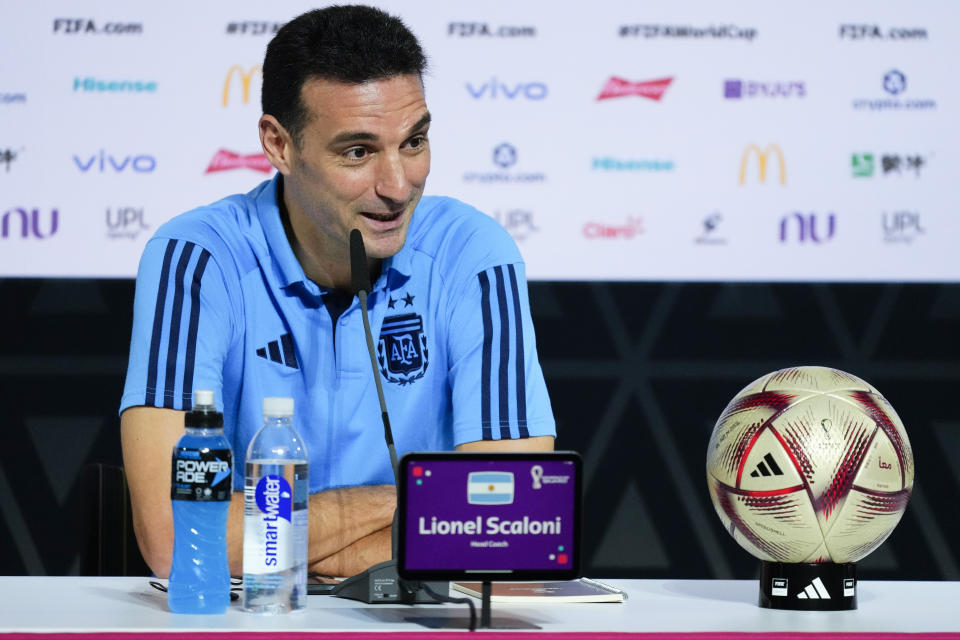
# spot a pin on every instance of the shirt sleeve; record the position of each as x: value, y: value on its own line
x: 182, y: 327
x: 498, y: 389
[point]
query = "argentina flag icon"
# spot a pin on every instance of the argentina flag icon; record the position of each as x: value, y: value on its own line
x: 490, y: 487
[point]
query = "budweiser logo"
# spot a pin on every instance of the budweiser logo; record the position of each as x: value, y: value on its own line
x: 228, y: 160
x: 619, y: 88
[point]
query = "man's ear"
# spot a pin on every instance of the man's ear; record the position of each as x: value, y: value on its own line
x: 277, y: 144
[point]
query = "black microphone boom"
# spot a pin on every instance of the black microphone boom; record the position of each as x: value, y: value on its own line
x: 379, y: 583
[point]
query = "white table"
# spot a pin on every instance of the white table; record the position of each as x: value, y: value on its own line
x: 96, y: 605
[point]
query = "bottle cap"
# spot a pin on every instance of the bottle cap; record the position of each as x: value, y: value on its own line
x: 278, y: 407
x: 203, y: 398
x: 204, y: 414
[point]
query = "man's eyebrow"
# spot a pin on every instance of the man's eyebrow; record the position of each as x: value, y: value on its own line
x: 364, y: 136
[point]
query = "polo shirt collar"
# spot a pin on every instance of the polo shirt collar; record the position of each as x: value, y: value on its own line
x: 394, y: 274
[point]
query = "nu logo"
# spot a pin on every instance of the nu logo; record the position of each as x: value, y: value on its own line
x: 762, y: 158
x: 246, y: 77
x: 30, y: 223
x: 807, y: 227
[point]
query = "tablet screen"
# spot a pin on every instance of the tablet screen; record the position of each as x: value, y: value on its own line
x: 485, y: 516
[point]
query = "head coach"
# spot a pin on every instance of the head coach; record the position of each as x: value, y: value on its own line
x: 251, y: 296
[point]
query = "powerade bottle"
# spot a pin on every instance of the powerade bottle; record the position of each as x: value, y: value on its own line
x: 275, y: 498
x: 200, y: 490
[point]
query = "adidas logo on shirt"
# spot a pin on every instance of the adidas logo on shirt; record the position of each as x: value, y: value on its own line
x: 814, y: 591
x: 280, y: 351
x: 771, y: 468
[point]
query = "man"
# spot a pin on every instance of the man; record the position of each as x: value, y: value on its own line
x: 251, y: 297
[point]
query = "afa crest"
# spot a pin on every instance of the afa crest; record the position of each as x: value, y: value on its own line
x: 402, y: 350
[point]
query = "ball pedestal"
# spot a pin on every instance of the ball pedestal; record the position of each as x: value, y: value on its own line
x: 808, y: 587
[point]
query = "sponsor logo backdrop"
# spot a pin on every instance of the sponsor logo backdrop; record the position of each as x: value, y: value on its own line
x: 690, y: 141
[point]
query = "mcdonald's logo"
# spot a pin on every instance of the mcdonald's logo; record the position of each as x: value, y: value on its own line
x: 762, y: 158
x: 246, y: 77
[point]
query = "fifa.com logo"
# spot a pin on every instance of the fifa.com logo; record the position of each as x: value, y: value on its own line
x: 763, y: 157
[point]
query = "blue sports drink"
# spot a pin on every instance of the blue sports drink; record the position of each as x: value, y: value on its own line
x: 200, y: 490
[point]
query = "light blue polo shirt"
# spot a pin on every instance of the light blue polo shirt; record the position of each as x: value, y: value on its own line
x: 222, y: 303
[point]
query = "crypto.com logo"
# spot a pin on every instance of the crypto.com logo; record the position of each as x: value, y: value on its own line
x: 246, y: 77
x: 762, y: 159
x: 620, y: 88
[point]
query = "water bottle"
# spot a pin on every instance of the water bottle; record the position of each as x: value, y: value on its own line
x: 201, y: 487
x: 275, y: 498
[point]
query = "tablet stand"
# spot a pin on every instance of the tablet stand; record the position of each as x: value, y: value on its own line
x: 825, y: 586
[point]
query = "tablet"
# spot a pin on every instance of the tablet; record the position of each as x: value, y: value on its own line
x: 489, y: 516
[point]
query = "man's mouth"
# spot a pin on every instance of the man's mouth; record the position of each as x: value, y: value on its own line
x: 383, y: 217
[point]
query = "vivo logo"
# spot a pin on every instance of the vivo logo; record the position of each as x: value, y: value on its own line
x: 807, y: 227
x: 495, y: 89
x: 104, y: 162
x: 31, y: 223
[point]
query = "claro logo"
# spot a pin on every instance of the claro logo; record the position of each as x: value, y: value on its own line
x: 763, y: 157
x: 33, y: 223
x: 246, y: 78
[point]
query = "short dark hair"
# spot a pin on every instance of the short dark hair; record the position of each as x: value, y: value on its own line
x: 352, y: 44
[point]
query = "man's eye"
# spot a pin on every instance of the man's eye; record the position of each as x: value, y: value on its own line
x: 356, y: 153
x: 417, y: 141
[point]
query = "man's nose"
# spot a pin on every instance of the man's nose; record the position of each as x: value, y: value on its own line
x: 392, y: 182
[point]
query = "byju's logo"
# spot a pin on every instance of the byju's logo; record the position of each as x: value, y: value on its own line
x: 620, y: 88
x: 33, y: 223
x: 246, y: 79
x: 628, y: 230
x: 494, y: 89
x: 8, y: 156
x: 763, y: 157
x: 863, y: 165
x: 608, y: 163
x: 484, y: 30
x: 104, y: 162
x: 505, y: 156
x: 125, y: 223
x: 808, y: 227
x: 93, y: 85
x: 747, y: 89
x: 225, y: 160
x: 519, y: 223
x: 711, y: 231
x: 74, y: 26
x: 490, y: 487
x: 901, y: 227
x: 894, y: 84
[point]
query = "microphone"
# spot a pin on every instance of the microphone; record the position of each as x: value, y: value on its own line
x: 379, y: 583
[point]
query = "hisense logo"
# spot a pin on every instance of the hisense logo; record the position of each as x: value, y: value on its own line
x: 94, y: 85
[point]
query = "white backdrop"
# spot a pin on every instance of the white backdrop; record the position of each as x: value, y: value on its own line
x: 112, y: 113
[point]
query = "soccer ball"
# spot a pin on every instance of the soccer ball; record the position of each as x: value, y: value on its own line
x: 809, y: 464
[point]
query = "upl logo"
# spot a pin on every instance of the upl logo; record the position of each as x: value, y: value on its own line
x: 494, y: 89
x: 33, y: 223
x: 763, y: 158
x: 246, y: 79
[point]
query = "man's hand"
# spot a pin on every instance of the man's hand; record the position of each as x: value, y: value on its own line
x: 339, y: 518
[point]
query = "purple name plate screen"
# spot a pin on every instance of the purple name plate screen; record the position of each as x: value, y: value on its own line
x: 483, y: 515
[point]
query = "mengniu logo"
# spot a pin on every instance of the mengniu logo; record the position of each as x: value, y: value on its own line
x: 104, y: 162
x: 808, y: 228
x: 33, y: 223
x: 94, y: 85
x: 225, y: 160
x: 628, y: 230
x: 620, y: 88
x: 494, y: 89
x: 246, y: 79
x: 863, y: 165
x: 763, y: 160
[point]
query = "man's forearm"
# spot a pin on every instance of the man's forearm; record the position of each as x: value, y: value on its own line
x: 363, y: 553
x: 338, y: 519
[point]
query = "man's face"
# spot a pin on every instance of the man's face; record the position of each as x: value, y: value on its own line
x: 362, y: 163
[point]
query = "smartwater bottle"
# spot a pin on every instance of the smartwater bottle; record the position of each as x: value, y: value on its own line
x: 200, y: 490
x: 275, y: 521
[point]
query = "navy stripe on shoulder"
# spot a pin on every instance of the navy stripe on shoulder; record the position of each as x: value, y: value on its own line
x: 175, y: 313
x: 151, y: 390
x: 521, y: 368
x: 487, y: 349
x: 189, y: 361
x: 504, y: 385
